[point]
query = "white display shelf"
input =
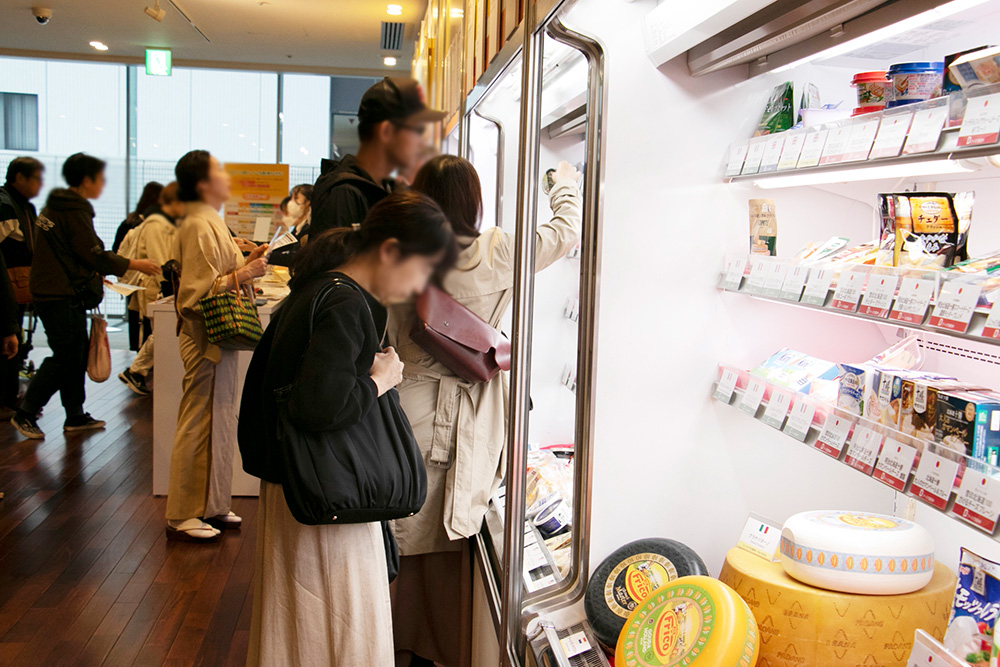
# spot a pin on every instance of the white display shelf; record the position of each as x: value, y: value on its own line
x: 879, y: 465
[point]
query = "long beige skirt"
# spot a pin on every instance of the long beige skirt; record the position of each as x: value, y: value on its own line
x: 321, y: 593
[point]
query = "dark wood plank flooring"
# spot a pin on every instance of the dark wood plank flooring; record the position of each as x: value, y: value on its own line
x: 87, y: 577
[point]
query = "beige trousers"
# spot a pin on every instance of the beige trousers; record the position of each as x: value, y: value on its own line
x: 201, y: 464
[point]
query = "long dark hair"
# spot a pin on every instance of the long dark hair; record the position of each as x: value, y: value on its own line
x: 150, y: 196
x: 411, y: 218
x: 453, y: 183
x: 192, y: 169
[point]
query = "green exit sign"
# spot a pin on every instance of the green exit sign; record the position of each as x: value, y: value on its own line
x: 158, y: 62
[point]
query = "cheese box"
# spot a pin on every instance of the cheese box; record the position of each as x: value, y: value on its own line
x: 977, y: 68
x: 851, y: 393
x: 918, y: 414
x: 987, y: 443
x: 795, y: 370
x: 802, y: 626
x: 957, y: 415
x: 857, y: 552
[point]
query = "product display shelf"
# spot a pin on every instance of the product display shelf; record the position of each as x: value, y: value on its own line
x: 783, y: 287
x: 876, y: 450
x: 540, y: 569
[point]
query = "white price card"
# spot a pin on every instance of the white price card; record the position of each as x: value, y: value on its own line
x: 733, y: 278
x: 818, y: 287
x: 895, y: 463
x: 775, y: 279
x: 575, y: 644
x: 934, y: 480
x: 795, y: 281
x: 863, y: 449
x: 992, y: 328
x: 755, y: 153
x: 836, y: 145
x: 848, y: 291
x: 800, y: 420
x: 981, y: 124
x: 534, y: 558
x: 737, y: 155
x: 727, y: 385
x: 792, y: 150
x: 758, y: 274
x: 928, y: 652
x: 777, y: 409
x: 761, y: 537
x: 925, y: 131
x: 891, y: 135
x: 878, y: 295
x: 812, y: 148
x: 752, y: 397
x: 861, y: 140
x: 833, y: 436
x: 912, y: 301
x: 772, y: 153
x: 978, y: 500
x: 955, y: 305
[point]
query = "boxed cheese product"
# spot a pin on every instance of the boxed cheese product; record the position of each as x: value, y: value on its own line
x: 958, y: 413
x: 795, y: 370
x: 977, y: 68
x: 851, y: 394
x: 987, y: 438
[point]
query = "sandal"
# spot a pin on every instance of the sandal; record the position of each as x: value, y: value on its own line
x: 191, y: 530
x: 227, y: 521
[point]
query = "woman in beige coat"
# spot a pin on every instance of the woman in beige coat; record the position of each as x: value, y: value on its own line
x: 460, y: 426
x: 201, y: 464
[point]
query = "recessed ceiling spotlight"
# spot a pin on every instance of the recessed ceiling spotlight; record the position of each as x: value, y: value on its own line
x: 155, y: 12
x: 389, y: 61
x: 100, y: 46
x: 394, y: 10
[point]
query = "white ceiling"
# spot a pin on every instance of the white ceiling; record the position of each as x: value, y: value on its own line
x: 330, y: 36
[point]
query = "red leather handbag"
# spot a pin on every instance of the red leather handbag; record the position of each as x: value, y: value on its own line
x: 458, y: 338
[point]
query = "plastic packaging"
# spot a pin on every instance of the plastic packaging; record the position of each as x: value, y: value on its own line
x: 974, y: 612
x: 779, y: 114
x: 915, y: 82
x: 871, y: 89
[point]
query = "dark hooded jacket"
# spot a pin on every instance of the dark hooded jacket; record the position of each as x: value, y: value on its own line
x: 342, y: 195
x: 13, y: 205
x: 68, y: 251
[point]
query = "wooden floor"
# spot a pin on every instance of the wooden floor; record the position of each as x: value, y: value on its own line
x: 86, y: 574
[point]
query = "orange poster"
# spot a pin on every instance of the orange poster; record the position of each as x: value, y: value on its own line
x: 257, y: 190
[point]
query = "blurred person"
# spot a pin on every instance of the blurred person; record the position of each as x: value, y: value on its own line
x: 392, y: 121
x: 201, y: 464
x: 147, y: 200
x: 278, y: 223
x: 404, y: 177
x: 432, y: 597
x: 66, y: 279
x: 300, y: 210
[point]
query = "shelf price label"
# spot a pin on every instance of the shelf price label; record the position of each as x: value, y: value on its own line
x: 812, y: 148
x: 818, y: 287
x: 831, y: 440
x: 891, y: 135
x: 752, y: 397
x: 792, y: 150
x: 772, y: 153
x: 895, y: 463
x: 992, y: 329
x: 775, y: 279
x: 981, y: 124
x: 863, y: 449
x: 848, y: 291
x: 795, y: 281
x: 955, y: 305
x: 925, y: 130
x: 777, y: 409
x: 978, y: 500
x: 755, y: 153
x: 727, y: 385
x: 800, y: 420
x: 860, y: 142
x: 934, y: 480
x: 878, y: 296
x: 836, y: 145
x: 913, y: 299
x: 733, y: 277
x: 737, y: 155
x: 758, y: 274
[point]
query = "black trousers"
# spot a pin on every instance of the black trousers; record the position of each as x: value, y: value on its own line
x: 10, y: 369
x: 65, y: 323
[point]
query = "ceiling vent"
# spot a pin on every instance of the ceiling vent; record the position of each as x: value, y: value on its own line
x: 392, y: 36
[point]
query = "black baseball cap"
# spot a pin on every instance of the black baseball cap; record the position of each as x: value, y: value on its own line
x: 397, y: 99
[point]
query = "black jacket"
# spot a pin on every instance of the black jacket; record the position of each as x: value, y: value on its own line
x: 14, y: 206
x: 342, y: 195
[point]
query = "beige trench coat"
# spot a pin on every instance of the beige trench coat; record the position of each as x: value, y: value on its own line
x: 156, y: 242
x: 461, y: 426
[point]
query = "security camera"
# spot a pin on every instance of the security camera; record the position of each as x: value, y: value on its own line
x: 155, y: 12
x: 42, y: 15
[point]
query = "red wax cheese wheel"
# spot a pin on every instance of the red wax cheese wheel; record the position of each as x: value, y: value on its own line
x: 693, y: 620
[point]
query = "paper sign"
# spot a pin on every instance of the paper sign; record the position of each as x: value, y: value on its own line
x: 955, y: 305
x: 752, y: 397
x: 761, y: 537
x: 912, y: 301
x: 863, y: 449
x: 992, y: 329
x: 777, y: 409
x: 981, y: 124
x: 262, y: 228
x: 848, y: 291
x: 772, y: 153
x: 812, y: 148
x: 878, y: 295
x: 795, y: 281
x: 895, y: 463
x: 818, y: 287
x: 575, y: 644
x: 727, y: 385
x: 978, y: 500
x: 122, y: 288
x: 775, y: 279
x: 928, y: 652
x: 257, y: 191
x: 934, y: 480
x: 734, y: 274
x: 834, y: 435
x: 758, y: 274
x: 792, y: 150
x: 737, y: 155
x: 755, y: 153
x: 836, y: 145
x: 800, y: 420
x: 891, y: 135
x: 925, y: 130
x: 861, y: 140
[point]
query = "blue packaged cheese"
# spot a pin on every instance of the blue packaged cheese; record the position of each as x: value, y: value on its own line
x: 851, y: 395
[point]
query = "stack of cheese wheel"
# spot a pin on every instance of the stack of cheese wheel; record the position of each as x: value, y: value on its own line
x: 691, y: 618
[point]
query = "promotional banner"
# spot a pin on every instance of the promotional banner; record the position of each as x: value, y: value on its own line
x: 257, y: 191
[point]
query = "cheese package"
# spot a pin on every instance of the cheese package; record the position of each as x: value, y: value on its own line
x: 958, y: 416
x: 973, y: 618
x: 978, y: 68
x: 796, y: 371
x: 802, y: 626
x: 987, y: 445
x: 851, y: 391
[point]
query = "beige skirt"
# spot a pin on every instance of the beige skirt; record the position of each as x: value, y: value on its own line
x: 321, y: 593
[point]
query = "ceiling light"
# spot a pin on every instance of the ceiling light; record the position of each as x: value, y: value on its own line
x: 848, y: 175
x: 394, y: 10
x: 100, y: 46
x: 389, y: 61
x: 155, y: 12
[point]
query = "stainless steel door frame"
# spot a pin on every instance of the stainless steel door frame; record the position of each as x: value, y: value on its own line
x: 501, y: 138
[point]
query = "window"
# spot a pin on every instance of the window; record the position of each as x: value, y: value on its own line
x: 18, y: 122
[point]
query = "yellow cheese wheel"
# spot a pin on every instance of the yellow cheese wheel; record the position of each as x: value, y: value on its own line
x: 690, y: 619
x: 804, y: 626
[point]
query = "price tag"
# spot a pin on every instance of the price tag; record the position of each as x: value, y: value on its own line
x: 912, y: 301
x: 800, y: 420
x: 534, y: 558
x: 992, y: 329
x: 861, y: 140
x: 777, y: 409
x: 836, y: 145
x: 755, y: 153
x: 792, y: 150
x: 795, y: 281
x: 878, y: 295
x: 818, y: 287
x: 981, y: 124
x: 758, y: 274
x: 863, y: 449
x: 752, y: 397
x: 848, y: 291
x: 834, y: 435
x: 761, y: 537
x: 733, y: 277
x: 925, y: 130
x: 978, y: 500
x: 891, y: 135
x: 575, y: 644
x: 895, y: 464
x: 955, y: 305
x: 812, y: 148
x: 727, y: 385
x: 934, y: 480
x: 772, y: 153
x: 737, y: 155
x: 775, y: 279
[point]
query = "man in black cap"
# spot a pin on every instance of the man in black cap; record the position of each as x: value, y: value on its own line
x: 392, y: 120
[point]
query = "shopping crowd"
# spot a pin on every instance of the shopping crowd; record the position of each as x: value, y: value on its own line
x: 377, y: 456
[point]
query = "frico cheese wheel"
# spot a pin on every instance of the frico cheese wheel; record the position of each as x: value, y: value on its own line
x: 855, y: 552
x: 802, y: 626
x: 628, y: 576
x: 691, y: 619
